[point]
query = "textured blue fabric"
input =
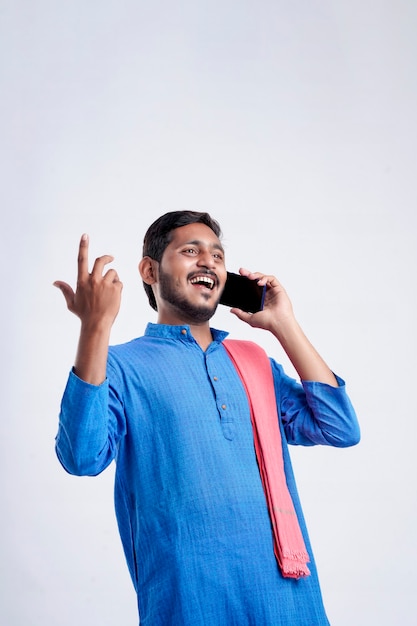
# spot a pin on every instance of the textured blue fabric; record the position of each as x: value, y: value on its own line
x: 189, y: 500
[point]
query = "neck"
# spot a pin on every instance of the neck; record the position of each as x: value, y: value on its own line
x: 200, y: 332
x: 202, y: 335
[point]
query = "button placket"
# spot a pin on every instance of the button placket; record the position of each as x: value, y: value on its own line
x: 221, y: 394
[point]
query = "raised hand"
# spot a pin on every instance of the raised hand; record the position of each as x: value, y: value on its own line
x: 96, y: 301
x: 97, y: 296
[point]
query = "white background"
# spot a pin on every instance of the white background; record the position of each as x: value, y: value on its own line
x: 294, y: 124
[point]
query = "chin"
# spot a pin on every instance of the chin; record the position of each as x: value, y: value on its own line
x: 192, y: 308
x: 197, y: 313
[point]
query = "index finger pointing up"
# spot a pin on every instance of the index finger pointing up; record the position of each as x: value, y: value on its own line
x: 83, y: 258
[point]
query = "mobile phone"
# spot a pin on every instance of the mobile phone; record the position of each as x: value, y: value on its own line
x: 243, y: 293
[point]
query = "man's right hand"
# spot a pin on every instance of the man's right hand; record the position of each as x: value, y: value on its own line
x: 96, y: 302
x: 97, y: 296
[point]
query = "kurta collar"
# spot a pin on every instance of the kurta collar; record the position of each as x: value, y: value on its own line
x: 181, y: 333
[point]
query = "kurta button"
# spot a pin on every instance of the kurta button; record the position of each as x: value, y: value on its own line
x: 224, y: 406
x: 215, y: 378
x: 184, y: 331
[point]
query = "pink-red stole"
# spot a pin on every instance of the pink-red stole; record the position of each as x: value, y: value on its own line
x: 254, y: 369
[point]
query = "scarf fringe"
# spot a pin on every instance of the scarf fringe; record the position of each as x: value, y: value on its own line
x: 294, y: 569
x: 295, y: 556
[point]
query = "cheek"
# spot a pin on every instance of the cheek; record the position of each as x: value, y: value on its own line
x: 222, y: 275
x: 177, y: 281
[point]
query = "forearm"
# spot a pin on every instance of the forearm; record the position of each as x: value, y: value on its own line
x: 84, y: 443
x: 91, y: 360
x: 302, y: 354
x: 315, y: 413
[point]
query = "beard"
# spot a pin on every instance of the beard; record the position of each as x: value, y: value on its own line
x: 191, y: 313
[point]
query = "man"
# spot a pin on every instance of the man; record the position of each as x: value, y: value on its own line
x: 171, y: 409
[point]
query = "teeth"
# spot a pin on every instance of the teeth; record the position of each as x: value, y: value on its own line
x: 203, y: 279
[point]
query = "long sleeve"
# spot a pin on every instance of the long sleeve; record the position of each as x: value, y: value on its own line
x: 315, y: 413
x: 90, y: 426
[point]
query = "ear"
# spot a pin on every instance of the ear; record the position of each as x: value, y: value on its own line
x: 148, y: 270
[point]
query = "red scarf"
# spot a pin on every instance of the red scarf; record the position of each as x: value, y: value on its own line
x: 254, y: 369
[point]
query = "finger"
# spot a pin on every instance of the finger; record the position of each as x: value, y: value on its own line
x: 83, y: 258
x: 271, y: 281
x: 242, y: 315
x: 99, y: 264
x: 112, y: 276
x: 261, y: 279
x: 251, y: 275
x: 67, y: 291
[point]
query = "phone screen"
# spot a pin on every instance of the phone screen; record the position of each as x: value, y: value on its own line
x: 243, y: 293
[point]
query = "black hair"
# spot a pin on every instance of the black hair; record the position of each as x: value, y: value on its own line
x: 159, y: 235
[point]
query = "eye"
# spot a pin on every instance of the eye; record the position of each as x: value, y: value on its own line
x: 190, y: 251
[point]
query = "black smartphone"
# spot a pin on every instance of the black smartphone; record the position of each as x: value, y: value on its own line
x: 242, y: 293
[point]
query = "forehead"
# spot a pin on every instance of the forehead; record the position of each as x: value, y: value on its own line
x: 195, y: 233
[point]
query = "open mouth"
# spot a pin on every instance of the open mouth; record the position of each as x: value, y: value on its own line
x: 204, y: 281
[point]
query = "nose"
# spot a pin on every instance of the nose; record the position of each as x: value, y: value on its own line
x: 206, y: 259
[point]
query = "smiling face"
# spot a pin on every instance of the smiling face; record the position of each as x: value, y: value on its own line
x: 190, y: 276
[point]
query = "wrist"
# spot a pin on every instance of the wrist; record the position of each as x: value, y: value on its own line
x: 286, y: 329
x: 91, y: 359
x: 96, y: 328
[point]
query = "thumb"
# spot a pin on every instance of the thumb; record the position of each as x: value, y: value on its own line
x: 67, y: 291
x: 242, y: 315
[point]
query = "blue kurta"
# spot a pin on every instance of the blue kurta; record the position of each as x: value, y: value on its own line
x: 189, y: 500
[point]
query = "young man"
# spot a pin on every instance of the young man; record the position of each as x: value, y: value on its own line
x: 170, y: 407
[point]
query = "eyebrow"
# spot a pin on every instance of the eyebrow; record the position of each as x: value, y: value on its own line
x: 197, y: 242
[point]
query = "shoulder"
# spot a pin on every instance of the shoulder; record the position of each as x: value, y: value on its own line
x: 122, y: 349
x: 123, y: 354
x: 243, y: 346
